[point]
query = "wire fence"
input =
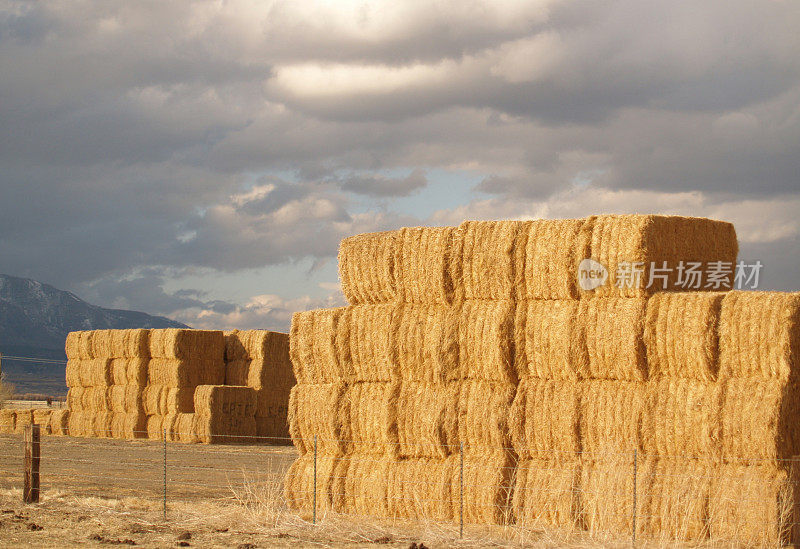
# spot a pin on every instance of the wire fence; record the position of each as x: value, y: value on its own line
x: 607, y: 495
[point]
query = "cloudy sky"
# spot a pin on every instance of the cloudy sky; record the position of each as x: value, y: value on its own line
x: 202, y: 160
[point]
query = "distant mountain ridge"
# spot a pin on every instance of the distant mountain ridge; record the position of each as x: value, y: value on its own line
x: 35, y: 319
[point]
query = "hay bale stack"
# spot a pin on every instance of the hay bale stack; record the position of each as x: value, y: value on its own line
x: 260, y: 359
x: 8, y: 421
x: 224, y: 414
x: 59, y: 422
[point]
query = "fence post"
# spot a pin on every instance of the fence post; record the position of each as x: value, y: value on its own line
x: 314, y: 520
x: 461, y: 493
x: 30, y: 490
x: 164, y: 500
x: 635, y: 466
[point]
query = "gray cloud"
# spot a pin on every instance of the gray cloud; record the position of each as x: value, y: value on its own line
x: 382, y: 186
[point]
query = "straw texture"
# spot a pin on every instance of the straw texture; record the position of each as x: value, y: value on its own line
x: 486, y: 340
x: 544, y: 420
x: 423, y: 419
x: 610, y: 417
x: 485, y: 262
x: 546, y: 494
x: 550, y: 340
x: 425, y: 343
x: 553, y: 250
x: 367, y: 267
x: 613, y: 328
x: 423, y: 265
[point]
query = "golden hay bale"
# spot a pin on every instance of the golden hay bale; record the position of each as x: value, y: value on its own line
x: 681, y: 417
x: 681, y: 335
x: 225, y: 429
x: 365, y: 410
x: 88, y: 399
x: 613, y: 328
x: 365, y: 485
x: 95, y: 372
x: 190, y: 345
x: 317, y: 410
x: 424, y: 342
x: 173, y: 372
x: 237, y: 371
x: 422, y: 264
x: 546, y: 494
x: 486, y: 340
x: 420, y: 489
x: 257, y: 344
x: 759, y: 420
x: 487, y: 483
x: 8, y: 421
x: 300, y: 488
x: 364, y: 343
x: 129, y: 371
x: 73, y: 372
x: 100, y: 423
x: 222, y: 400
x: 544, y: 419
x: 618, y: 239
x: 182, y: 428
x: 155, y: 427
x: 75, y: 398
x: 128, y: 426
x: 671, y: 498
x: 610, y: 415
x: 59, y: 422
x: 79, y: 424
x: 125, y: 399
x: 161, y: 400
x: 485, y: 263
x: 553, y: 250
x: 367, y: 267
x: 72, y: 346
x: 41, y: 416
x: 312, y: 346
x: 483, y: 414
x: 423, y: 420
x: 273, y: 402
x: 267, y: 373
x: 759, y: 335
x: 130, y: 343
x: 549, y: 339
x: 100, y: 343
x: 753, y: 505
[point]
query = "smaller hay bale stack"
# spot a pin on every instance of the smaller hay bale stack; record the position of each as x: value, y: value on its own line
x: 8, y: 421
x: 260, y: 359
x: 224, y: 414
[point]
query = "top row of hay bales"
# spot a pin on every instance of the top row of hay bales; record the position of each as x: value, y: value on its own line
x: 524, y: 259
x: 170, y: 343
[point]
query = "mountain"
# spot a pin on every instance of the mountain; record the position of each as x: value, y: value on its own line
x: 34, y: 321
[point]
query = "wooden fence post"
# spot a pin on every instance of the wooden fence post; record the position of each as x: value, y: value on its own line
x: 30, y: 490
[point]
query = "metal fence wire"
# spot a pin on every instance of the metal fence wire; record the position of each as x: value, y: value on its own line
x: 611, y: 495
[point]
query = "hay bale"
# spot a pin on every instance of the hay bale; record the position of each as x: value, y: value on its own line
x: 550, y: 341
x: 613, y: 329
x: 317, y: 409
x: 189, y: 345
x: 162, y: 400
x: 367, y: 267
x: 486, y: 340
x: 425, y: 343
x: 92, y: 372
x: 681, y: 417
x: 759, y: 420
x: 100, y: 343
x: 671, y: 498
x: 487, y: 483
x: 313, y: 346
x: 681, y: 335
x: 41, y: 416
x: 483, y: 414
x: 422, y: 265
x: 485, y: 262
x: 364, y: 342
x: 173, y: 372
x: 184, y: 428
x: 75, y: 398
x: 155, y: 427
x: 8, y: 421
x: 73, y: 346
x: 299, y: 486
x: 274, y: 430
x: 59, y: 422
x: 129, y: 371
x: 753, y: 505
x: 129, y: 343
x: 759, y: 335
x: 125, y: 399
x: 128, y: 425
x: 256, y: 344
x: 222, y: 400
x: 423, y: 420
x: 618, y: 239
x: 365, y: 408
x: 100, y: 421
x: 546, y: 494
x: 420, y: 489
x: 610, y: 415
x: 544, y: 419
x: 79, y: 424
x: 553, y: 250
x: 273, y: 402
x: 365, y: 485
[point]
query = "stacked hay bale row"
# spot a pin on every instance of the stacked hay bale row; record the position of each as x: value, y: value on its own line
x: 53, y: 421
x: 180, y: 361
x: 260, y: 359
x: 491, y: 312
x: 106, y: 373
